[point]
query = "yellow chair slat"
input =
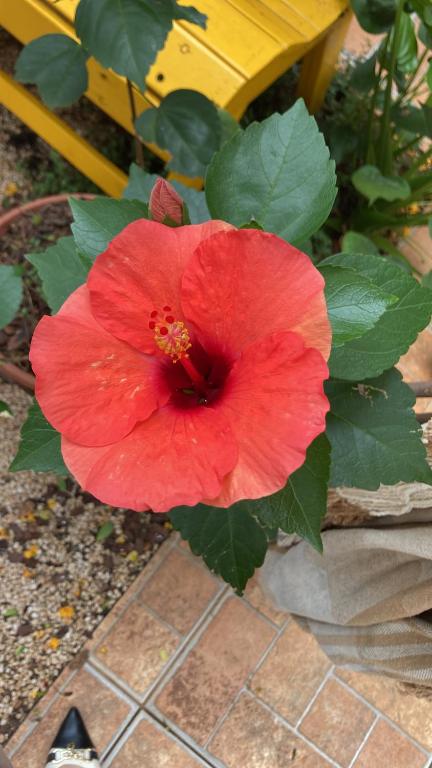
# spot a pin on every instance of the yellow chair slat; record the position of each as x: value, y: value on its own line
x: 61, y: 137
x: 185, y: 62
x: 247, y: 45
x: 320, y: 13
x: 276, y: 18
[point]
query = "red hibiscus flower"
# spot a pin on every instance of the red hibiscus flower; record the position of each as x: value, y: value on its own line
x: 189, y: 368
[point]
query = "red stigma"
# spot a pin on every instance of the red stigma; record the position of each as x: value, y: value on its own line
x: 163, y: 331
x: 154, y: 313
x: 169, y: 319
x: 167, y: 309
x: 152, y: 325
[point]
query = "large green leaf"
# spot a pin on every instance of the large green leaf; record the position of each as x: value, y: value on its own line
x: 301, y: 505
x: 372, y: 184
x: 10, y: 293
x: 417, y: 120
x: 187, y: 124
x: 61, y: 269
x: 97, y: 221
x: 407, y: 48
x: 355, y: 242
x: 126, y: 35
x: 231, y: 541
x: 278, y: 173
x: 394, y: 332
x: 354, y: 303
x: 374, y: 435
x: 375, y: 16
x: 141, y: 184
x: 57, y: 65
x: 39, y: 448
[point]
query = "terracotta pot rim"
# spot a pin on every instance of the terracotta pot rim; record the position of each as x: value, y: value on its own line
x: 34, y: 205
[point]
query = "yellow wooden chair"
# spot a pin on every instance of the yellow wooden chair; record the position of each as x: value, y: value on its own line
x: 247, y: 45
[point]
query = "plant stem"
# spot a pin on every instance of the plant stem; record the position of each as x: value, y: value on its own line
x: 139, y: 154
x: 413, y: 76
x: 408, y: 146
x: 369, y: 153
x: 385, y: 154
x: 417, y: 163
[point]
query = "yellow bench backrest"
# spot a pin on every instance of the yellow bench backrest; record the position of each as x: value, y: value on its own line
x: 246, y: 46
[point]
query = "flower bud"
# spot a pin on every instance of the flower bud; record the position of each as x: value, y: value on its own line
x: 165, y: 204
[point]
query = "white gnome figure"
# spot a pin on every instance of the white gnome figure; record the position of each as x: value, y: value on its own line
x: 72, y: 747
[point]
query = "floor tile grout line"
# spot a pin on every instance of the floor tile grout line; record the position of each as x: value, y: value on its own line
x: 189, y: 643
x: 245, y: 685
x: 143, y: 714
x: 169, y: 547
x: 170, y: 727
x: 314, y: 698
x: 384, y: 716
x: 364, y: 740
x: 185, y: 641
x: 133, y: 707
x: 293, y: 730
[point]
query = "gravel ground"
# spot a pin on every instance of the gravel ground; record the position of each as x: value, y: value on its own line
x: 58, y: 580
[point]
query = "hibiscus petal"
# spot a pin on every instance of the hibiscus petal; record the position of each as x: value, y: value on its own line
x: 243, y: 285
x: 91, y: 387
x: 139, y: 273
x: 274, y: 402
x: 176, y: 457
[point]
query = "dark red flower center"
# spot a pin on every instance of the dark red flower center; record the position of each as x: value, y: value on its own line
x: 197, y: 380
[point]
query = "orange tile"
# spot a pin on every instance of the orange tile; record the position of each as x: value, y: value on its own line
x: 291, y: 673
x: 104, y: 713
x: 412, y: 713
x: 214, y: 671
x: 251, y: 736
x: 137, y: 648
x: 149, y: 747
x: 386, y: 746
x: 337, y: 722
x: 180, y: 591
x: 256, y: 597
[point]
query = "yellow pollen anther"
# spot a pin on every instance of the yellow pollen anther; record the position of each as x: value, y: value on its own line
x: 173, y: 339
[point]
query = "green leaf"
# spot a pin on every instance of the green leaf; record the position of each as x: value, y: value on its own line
x: 126, y: 35
x: 61, y: 270
x: 394, y: 332
x: 230, y: 541
x: 195, y: 201
x: 354, y: 303
x: 363, y: 74
x: 140, y: 184
x: 10, y: 293
x: 429, y: 76
x: 374, y: 435
x: 97, y: 221
x: 355, y: 242
x: 105, y: 531
x: 39, y: 448
x: 57, y: 65
x: 427, y: 280
x: 372, y: 184
x: 186, y: 124
x: 375, y: 16
x: 229, y: 125
x: 407, y: 48
x: 300, y: 506
x: 416, y: 120
x: 4, y: 408
x: 277, y: 172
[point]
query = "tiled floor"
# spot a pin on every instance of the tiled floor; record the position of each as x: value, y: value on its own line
x: 185, y: 674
